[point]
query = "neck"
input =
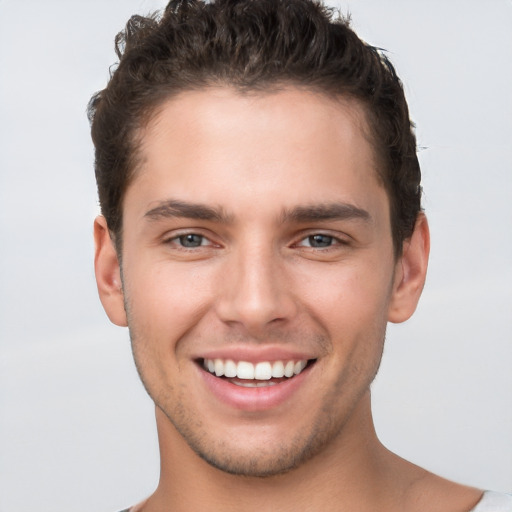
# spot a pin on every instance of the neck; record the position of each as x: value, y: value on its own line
x: 351, y: 472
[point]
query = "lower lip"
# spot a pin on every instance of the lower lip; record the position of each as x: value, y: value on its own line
x: 257, y: 398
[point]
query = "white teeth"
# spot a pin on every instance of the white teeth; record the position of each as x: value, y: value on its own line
x: 278, y: 369
x: 254, y: 384
x: 299, y: 366
x: 288, y: 369
x: 262, y: 371
x: 230, y: 368
x: 245, y: 370
x: 219, y: 367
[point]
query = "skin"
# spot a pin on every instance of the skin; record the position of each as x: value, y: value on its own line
x: 245, y: 177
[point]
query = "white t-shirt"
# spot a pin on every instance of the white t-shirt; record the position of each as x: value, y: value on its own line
x: 494, y: 502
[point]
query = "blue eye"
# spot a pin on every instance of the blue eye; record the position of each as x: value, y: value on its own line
x: 319, y: 241
x: 191, y: 240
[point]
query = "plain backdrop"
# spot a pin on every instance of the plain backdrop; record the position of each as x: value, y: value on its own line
x: 76, y: 428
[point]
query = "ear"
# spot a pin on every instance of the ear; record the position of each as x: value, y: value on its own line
x: 410, y: 273
x: 108, y: 273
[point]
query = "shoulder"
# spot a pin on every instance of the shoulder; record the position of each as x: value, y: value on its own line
x: 494, y: 502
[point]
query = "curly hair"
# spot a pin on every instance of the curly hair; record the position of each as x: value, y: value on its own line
x: 250, y: 45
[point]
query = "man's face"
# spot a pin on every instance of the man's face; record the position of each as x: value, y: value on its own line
x: 256, y: 236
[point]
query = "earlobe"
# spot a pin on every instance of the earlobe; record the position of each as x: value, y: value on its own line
x: 108, y: 273
x: 410, y: 273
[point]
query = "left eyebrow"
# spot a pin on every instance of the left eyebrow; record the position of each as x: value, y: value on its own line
x: 326, y: 212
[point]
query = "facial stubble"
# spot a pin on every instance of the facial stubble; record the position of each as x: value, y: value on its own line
x: 267, y: 459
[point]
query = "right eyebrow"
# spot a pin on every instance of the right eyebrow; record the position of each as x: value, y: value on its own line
x: 172, y: 208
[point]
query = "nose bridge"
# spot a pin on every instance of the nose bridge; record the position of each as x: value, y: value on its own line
x: 255, y: 291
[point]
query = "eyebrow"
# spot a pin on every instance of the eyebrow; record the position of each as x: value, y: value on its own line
x: 172, y: 208
x: 326, y: 212
x: 181, y: 209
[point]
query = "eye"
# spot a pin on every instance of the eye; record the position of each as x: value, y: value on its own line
x: 318, y: 241
x: 190, y: 240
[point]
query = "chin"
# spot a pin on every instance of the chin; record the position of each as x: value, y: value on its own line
x: 256, y: 454
x: 252, y: 465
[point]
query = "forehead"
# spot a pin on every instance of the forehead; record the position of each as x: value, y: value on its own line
x: 293, y: 114
x: 287, y: 147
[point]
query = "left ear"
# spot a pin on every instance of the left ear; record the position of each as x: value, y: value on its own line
x: 410, y: 273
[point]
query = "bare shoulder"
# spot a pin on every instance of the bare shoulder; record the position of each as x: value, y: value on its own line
x: 437, y: 494
x: 420, y: 490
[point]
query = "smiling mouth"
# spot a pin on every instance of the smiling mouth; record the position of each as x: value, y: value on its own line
x: 264, y: 373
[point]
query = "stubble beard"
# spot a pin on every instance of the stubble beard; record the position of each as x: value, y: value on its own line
x: 258, y: 462
x: 263, y: 461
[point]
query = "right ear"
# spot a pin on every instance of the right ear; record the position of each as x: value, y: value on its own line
x: 108, y: 273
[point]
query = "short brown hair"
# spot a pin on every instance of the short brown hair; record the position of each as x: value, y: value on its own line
x: 250, y: 45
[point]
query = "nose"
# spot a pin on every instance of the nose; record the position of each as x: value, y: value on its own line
x: 255, y: 290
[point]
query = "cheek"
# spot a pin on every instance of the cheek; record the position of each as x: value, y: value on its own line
x: 349, y: 299
x: 164, y: 304
x: 162, y: 307
x: 353, y: 310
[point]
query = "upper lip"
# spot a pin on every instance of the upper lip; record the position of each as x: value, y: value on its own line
x: 255, y: 354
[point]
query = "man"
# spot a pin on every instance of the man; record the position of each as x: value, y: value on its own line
x: 260, y: 192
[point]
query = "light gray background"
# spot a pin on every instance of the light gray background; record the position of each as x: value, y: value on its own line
x: 76, y: 429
